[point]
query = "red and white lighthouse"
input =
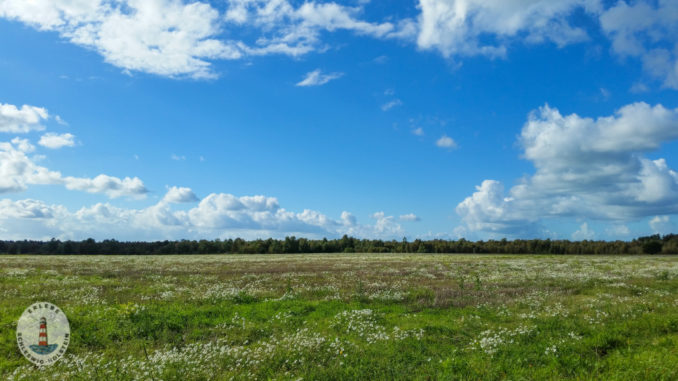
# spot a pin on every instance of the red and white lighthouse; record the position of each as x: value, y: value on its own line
x: 42, y: 336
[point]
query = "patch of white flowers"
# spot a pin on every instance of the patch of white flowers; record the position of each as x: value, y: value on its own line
x: 551, y: 350
x: 490, y: 341
x: 364, y: 324
x: 387, y: 295
x: 197, y: 360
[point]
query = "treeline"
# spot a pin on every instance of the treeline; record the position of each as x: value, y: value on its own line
x: 655, y: 244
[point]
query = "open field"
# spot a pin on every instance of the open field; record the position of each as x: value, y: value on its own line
x: 349, y: 316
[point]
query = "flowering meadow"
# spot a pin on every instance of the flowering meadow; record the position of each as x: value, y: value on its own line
x: 349, y: 316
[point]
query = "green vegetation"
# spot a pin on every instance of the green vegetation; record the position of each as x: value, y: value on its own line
x: 349, y: 316
x: 655, y: 244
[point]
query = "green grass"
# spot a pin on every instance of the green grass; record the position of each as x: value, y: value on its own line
x: 349, y: 316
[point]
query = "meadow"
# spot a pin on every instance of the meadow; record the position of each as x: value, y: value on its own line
x: 349, y: 316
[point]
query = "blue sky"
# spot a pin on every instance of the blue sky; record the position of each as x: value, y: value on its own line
x: 162, y: 119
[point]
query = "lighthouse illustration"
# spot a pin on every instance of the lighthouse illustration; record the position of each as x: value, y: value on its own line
x: 43, y: 348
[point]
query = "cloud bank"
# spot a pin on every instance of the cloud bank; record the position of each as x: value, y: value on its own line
x: 218, y: 215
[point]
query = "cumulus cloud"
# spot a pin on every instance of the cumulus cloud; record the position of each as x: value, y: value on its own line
x: 418, y: 131
x: 585, y: 168
x: 27, y: 209
x: 618, y: 231
x: 584, y: 232
x: 384, y: 226
x: 111, y: 186
x: 176, y: 195
x: 662, y: 225
x: 446, y: 142
x: 317, y: 78
x: 55, y: 141
x: 348, y: 219
x: 17, y: 171
x: 220, y: 211
x: 489, y: 210
x: 21, y: 120
x: 30, y: 218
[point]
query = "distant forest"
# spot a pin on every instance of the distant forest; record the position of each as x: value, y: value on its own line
x: 654, y: 244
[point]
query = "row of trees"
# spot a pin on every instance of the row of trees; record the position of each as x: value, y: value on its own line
x: 655, y: 244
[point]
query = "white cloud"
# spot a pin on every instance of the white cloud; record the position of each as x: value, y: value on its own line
x: 446, y: 142
x: 489, y: 210
x: 178, y: 157
x: 17, y: 171
x: 296, y: 31
x: 23, y: 145
x: 178, y: 38
x: 648, y: 30
x: 411, y: 217
x: 418, y: 131
x: 618, y: 231
x: 481, y: 27
x: 639, y: 88
x: 177, y: 195
x: 380, y: 60
x: 378, y: 215
x: 317, y: 78
x: 111, y: 186
x: 55, y: 141
x: 384, y: 226
x: 585, y: 168
x: 389, y: 105
x: 224, y: 211
x: 162, y: 37
x: 26, y: 209
x: 21, y: 120
x: 348, y: 219
x: 644, y: 29
x: 584, y: 232
x: 62, y: 122
x: 662, y: 225
x: 332, y: 16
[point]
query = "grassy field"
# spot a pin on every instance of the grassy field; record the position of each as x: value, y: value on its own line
x: 353, y: 316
